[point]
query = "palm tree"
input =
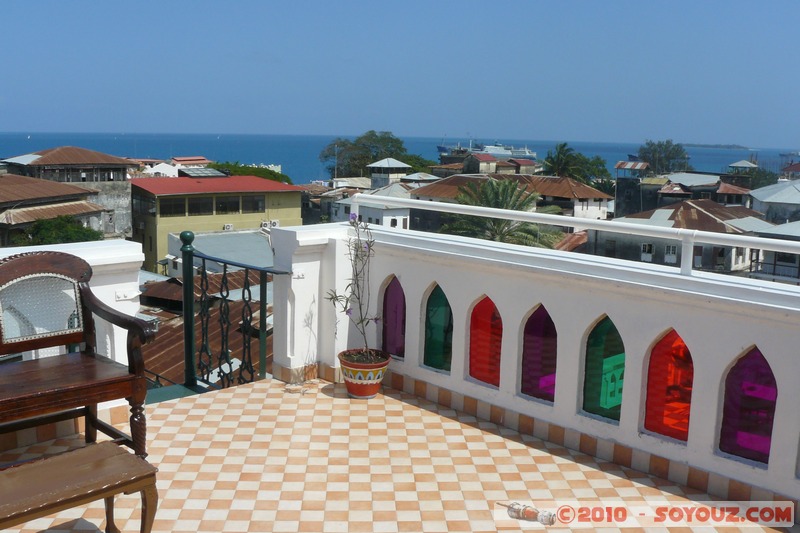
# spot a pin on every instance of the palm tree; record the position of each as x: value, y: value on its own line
x: 564, y: 162
x: 501, y: 194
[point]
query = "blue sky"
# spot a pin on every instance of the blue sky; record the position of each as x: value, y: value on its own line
x: 693, y: 71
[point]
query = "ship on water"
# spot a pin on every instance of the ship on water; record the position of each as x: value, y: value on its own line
x: 497, y: 150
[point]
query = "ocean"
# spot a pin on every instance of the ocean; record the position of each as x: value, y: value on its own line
x: 298, y: 155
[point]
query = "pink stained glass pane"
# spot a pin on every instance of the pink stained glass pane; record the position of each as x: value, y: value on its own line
x: 539, y: 345
x: 394, y: 319
x: 749, y: 408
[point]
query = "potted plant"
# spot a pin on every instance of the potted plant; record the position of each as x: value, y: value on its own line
x: 364, y: 367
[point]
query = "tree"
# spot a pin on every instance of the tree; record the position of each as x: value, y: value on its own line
x: 237, y: 169
x: 565, y: 162
x: 501, y: 194
x: 664, y: 156
x: 56, y: 231
x: 344, y: 157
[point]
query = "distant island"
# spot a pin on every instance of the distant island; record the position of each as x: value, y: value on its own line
x: 720, y: 146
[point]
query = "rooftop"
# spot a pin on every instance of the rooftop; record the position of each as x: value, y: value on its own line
x: 185, y: 186
x: 275, y: 457
x: 69, y: 155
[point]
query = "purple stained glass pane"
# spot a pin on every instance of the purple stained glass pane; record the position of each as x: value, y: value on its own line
x: 394, y: 319
x: 539, y: 356
x: 749, y: 408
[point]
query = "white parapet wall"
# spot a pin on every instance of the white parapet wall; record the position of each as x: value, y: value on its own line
x: 719, y: 317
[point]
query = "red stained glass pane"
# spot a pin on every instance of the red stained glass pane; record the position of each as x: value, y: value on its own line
x: 486, y: 334
x: 749, y: 408
x: 669, y: 388
x: 539, y: 356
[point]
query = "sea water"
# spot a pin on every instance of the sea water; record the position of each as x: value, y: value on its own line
x: 298, y: 155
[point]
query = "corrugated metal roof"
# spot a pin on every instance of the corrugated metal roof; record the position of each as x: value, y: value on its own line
x: 15, y: 189
x: 704, y: 215
x: 185, y: 186
x: 552, y: 186
x: 792, y: 168
x: 743, y: 164
x: 486, y: 158
x: 523, y: 162
x: 389, y: 162
x: 727, y: 188
x: 26, y: 215
x: 693, y: 180
x: 751, y: 224
x: 783, y: 192
x: 632, y: 165
x: 26, y: 159
x: 790, y: 230
x: 192, y: 160
x: 248, y: 247
x: 200, y: 172
x: 72, y: 155
x: 655, y: 180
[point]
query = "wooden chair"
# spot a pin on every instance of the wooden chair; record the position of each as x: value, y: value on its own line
x: 46, y: 302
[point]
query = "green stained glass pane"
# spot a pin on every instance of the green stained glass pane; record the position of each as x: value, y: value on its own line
x: 605, y: 371
x: 438, y: 331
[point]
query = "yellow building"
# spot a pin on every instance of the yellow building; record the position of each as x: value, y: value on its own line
x: 170, y: 205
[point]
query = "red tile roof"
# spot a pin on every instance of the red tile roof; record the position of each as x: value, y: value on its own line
x: 174, y: 186
x: 484, y: 157
x: 792, y: 168
x: 71, y: 155
x: 523, y: 162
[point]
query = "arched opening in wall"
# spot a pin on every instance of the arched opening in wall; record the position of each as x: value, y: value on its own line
x: 748, y: 410
x: 438, y: 331
x: 669, y: 388
x: 605, y: 371
x: 394, y: 319
x: 539, y: 343
x: 486, y: 339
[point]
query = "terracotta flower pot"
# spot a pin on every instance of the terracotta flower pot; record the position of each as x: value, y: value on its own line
x: 363, y: 379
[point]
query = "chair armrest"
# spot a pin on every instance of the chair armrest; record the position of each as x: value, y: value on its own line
x: 139, y: 331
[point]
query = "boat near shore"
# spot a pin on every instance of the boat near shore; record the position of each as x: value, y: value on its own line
x: 497, y: 150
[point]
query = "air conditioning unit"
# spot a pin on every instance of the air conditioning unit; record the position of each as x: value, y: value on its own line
x: 227, y: 227
x: 274, y: 223
x: 265, y: 224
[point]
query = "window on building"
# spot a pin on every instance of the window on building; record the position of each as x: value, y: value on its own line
x: 671, y: 253
x: 670, y: 376
x: 172, y: 207
x: 201, y: 206
x: 394, y: 319
x: 486, y: 335
x: 227, y: 205
x: 143, y: 205
x: 393, y: 223
x: 347, y: 210
x: 647, y: 252
x: 749, y: 408
x: 438, y: 331
x: 253, y: 203
x: 539, y: 342
x: 605, y: 371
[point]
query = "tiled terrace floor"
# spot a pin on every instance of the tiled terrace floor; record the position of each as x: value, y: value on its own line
x: 269, y: 457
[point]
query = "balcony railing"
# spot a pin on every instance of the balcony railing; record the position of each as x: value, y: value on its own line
x: 476, y: 318
x: 234, y: 300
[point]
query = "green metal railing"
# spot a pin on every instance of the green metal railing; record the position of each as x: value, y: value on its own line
x: 201, y: 359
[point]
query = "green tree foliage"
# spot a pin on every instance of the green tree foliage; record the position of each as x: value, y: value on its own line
x: 664, y: 156
x: 344, y: 157
x: 762, y: 177
x: 56, y: 231
x: 606, y: 185
x: 237, y: 169
x: 565, y: 162
x: 501, y: 194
